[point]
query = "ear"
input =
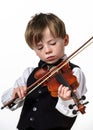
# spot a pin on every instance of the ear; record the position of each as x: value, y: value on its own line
x: 66, y: 40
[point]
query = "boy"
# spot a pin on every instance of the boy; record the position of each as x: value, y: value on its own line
x: 46, y: 35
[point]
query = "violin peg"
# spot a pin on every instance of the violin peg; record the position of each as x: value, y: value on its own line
x: 74, y: 112
x: 82, y: 98
x: 86, y: 103
x: 71, y: 106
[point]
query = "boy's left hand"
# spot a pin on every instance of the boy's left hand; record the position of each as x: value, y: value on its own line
x: 64, y: 92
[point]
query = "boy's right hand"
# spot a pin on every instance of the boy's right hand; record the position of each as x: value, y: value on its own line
x: 19, y: 92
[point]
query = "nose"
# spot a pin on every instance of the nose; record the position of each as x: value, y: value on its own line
x: 47, y: 49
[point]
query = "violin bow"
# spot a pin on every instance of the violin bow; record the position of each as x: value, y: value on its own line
x: 49, y: 73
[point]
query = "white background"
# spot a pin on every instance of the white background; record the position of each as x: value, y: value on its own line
x: 15, y: 55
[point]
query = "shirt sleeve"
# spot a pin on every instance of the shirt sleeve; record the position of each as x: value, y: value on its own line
x: 21, y: 81
x: 63, y: 106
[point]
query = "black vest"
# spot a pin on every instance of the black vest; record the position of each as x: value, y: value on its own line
x: 39, y: 110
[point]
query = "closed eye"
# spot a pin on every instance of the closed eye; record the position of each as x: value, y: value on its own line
x: 40, y: 48
x: 53, y: 43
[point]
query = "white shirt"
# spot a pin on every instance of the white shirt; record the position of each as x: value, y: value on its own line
x: 61, y: 106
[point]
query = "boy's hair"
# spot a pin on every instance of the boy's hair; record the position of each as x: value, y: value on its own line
x: 38, y: 23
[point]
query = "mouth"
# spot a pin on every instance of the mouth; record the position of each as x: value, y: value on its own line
x: 51, y: 58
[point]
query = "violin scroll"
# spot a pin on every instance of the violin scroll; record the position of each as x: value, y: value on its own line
x: 81, y: 107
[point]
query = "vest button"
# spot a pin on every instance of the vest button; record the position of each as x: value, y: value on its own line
x: 34, y: 108
x: 39, y: 91
x: 32, y: 119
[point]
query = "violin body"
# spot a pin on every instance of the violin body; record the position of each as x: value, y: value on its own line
x: 52, y: 82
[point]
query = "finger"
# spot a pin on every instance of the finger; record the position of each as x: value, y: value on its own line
x: 64, y: 93
x: 60, y: 89
x: 68, y: 94
x: 23, y: 91
x: 14, y: 95
x: 64, y: 90
x: 74, y: 90
x: 17, y: 92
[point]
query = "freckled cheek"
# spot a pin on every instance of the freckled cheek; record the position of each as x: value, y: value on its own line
x: 59, y: 51
x: 41, y: 56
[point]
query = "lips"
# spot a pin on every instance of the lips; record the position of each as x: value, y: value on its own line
x: 51, y: 58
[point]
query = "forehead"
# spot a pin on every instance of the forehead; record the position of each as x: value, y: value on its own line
x: 47, y: 35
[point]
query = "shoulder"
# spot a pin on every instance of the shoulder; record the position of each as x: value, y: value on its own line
x: 28, y: 70
x: 73, y: 65
x: 77, y: 71
x: 80, y: 75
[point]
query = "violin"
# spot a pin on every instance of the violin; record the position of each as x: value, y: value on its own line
x: 54, y: 77
x: 63, y: 76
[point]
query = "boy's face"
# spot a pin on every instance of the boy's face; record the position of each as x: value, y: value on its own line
x: 50, y: 49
